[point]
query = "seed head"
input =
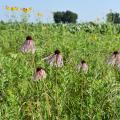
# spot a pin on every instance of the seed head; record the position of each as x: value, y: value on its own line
x: 57, y: 52
x: 83, y: 61
x: 28, y: 38
x: 38, y: 69
x: 115, y: 53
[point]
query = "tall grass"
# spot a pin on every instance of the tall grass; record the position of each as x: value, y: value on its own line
x: 66, y: 94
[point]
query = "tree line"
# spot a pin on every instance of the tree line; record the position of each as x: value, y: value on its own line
x: 71, y: 17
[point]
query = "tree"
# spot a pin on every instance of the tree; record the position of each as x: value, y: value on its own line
x: 113, y: 17
x: 58, y: 17
x: 65, y: 17
x: 69, y: 17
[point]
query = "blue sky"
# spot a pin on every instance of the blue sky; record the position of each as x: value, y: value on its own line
x: 87, y: 10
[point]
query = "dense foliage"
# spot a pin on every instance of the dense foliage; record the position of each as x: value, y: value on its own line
x: 66, y: 94
x: 65, y: 17
x: 113, y: 18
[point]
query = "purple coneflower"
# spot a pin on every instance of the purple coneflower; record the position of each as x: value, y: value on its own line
x: 114, y: 59
x: 39, y: 74
x: 55, y: 59
x: 82, y: 66
x: 28, y: 46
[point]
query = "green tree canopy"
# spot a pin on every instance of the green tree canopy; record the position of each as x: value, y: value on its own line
x: 113, y: 18
x: 65, y: 17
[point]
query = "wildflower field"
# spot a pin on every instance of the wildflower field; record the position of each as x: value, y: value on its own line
x: 65, y: 94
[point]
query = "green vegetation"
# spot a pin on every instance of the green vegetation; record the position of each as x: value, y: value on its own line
x: 113, y: 18
x: 65, y: 94
x: 65, y: 17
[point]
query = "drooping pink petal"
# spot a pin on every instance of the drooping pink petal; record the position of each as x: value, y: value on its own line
x: 40, y: 74
x: 28, y: 45
x: 82, y: 66
x: 55, y: 59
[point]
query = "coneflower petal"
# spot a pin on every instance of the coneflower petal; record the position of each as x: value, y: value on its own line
x: 28, y: 46
x: 39, y: 74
